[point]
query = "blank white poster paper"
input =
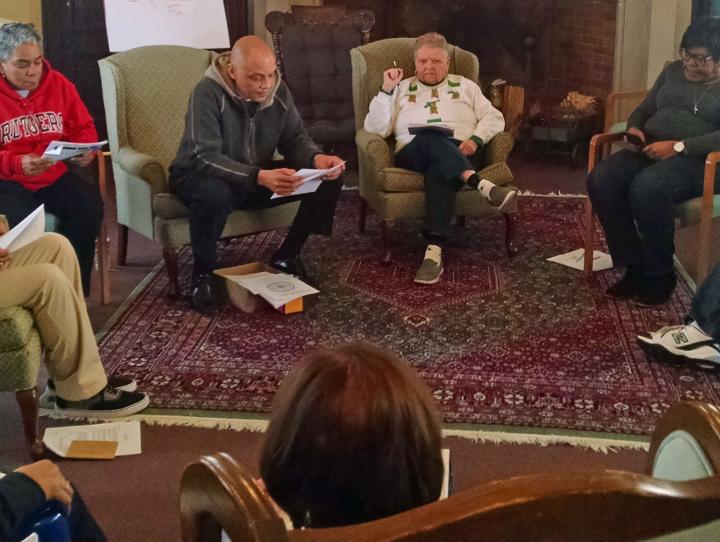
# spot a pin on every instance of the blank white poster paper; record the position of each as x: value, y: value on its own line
x: 192, y: 23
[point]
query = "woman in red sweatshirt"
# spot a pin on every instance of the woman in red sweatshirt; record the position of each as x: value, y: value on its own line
x: 38, y: 105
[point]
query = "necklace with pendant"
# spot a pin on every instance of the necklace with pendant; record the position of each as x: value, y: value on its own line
x: 696, y: 102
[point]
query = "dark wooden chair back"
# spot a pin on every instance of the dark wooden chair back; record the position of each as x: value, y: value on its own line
x: 577, y: 505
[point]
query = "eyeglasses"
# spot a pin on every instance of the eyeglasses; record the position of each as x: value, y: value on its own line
x: 698, y: 60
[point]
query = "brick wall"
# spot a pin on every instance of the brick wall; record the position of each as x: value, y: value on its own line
x: 581, y: 49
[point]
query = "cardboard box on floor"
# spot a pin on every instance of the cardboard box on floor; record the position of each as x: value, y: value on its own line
x: 242, y: 298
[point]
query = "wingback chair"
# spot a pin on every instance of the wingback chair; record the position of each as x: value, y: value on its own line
x: 393, y: 192
x: 312, y: 46
x: 677, y: 500
x: 146, y: 93
x: 703, y: 209
x: 20, y: 356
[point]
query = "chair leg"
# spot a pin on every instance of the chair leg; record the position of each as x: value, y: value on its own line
x: 510, y: 230
x: 28, y: 402
x: 170, y: 257
x: 589, y: 240
x: 122, y: 244
x: 384, y: 234
x: 362, y: 214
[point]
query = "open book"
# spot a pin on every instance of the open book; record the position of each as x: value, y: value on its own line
x: 445, y: 129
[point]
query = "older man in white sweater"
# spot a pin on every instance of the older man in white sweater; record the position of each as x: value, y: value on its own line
x: 432, y: 98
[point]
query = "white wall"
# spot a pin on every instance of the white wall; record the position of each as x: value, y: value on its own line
x: 648, y: 34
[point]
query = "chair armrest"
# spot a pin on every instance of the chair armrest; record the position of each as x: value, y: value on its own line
x: 597, y: 145
x: 699, y: 420
x: 498, y: 148
x: 374, y: 147
x: 143, y: 167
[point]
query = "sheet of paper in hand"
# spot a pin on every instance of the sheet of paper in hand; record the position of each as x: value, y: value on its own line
x: 311, y: 180
x: 62, y: 150
x: 25, y: 232
x: 445, y: 129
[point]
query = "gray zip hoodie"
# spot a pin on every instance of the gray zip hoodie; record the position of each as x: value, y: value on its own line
x: 230, y: 137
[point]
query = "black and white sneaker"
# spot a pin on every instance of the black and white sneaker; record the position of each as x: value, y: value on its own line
x: 682, y: 344
x: 119, y: 382
x: 109, y: 403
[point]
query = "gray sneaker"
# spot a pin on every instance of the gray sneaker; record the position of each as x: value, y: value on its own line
x: 431, y: 267
x: 503, y: 198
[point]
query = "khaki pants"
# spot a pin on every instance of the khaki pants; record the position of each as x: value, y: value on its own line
x: 44, y: 277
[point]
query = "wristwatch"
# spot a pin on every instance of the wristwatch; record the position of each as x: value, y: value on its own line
x: 679, y: 147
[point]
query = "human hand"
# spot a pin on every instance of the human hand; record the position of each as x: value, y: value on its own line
x: 638, y: 134
x: 468, y: 147
x: 84, y: 159
x: 281, y: 181
x: 660, y: 150
x: 32, y: 164
x: 47, y: 475
x: 326, y: 161
x: 391, y: 78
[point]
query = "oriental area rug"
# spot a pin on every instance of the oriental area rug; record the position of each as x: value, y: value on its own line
x: 508, y: 341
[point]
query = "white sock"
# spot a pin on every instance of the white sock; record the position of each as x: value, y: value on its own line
x: 434, y: 253
x: 485, y: 186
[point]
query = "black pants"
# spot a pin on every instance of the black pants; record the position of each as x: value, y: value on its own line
x: 438, y: 158
x: 77, y: 204
x: 210, y: 201
x: 634, y: 198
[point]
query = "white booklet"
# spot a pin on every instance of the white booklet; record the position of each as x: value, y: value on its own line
x: 446, y: 129
x: 27, y: 231
x: 62, y: 150
x: 576, y: 260
x: 311, y: 180
x: 126, y: 434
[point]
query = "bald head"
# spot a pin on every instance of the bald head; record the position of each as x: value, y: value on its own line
x: 253, y: 68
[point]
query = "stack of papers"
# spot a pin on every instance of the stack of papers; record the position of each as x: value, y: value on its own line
x: 27, y: 231
x: 278, y: 289
x: 126, y: 434
x: 446, y: 129
x: 311, y: 180
x: 62, y: 150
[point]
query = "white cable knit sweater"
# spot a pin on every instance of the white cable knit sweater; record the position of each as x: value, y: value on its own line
x: 457, y: 102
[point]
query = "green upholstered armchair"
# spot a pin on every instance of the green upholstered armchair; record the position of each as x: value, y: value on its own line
x: 394, y: 192
x: 20, y: 356
x: 146, y: 92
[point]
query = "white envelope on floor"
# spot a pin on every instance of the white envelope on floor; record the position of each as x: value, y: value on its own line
x: 576, y: 260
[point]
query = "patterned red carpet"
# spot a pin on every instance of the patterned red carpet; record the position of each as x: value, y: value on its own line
x: 516, y: 341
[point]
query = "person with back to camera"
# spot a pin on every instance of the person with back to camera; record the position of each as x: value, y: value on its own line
x: 435, y: 96
x: 353, y: 437
x: 635, y: 190
x: 38, y: 105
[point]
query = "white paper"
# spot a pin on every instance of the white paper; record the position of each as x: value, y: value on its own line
x: 576, y: 260
x: 27, y: 231
x: 277, y: 288
x: 32, y: 537
x: 312, y: 179
x: 192, y: 23
x: 126, y: 434
x: 445, y: 490
x: 62, y: 150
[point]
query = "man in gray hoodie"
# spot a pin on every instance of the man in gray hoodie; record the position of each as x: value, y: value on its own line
x: 239, y: 113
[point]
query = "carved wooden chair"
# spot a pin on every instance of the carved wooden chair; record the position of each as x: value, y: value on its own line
x: 312, y: 46
x: 679, y: 497
x: 703, y: 209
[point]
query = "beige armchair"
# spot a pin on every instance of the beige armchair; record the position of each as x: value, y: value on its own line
x: 146, y: 92
x: 393, y: 192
